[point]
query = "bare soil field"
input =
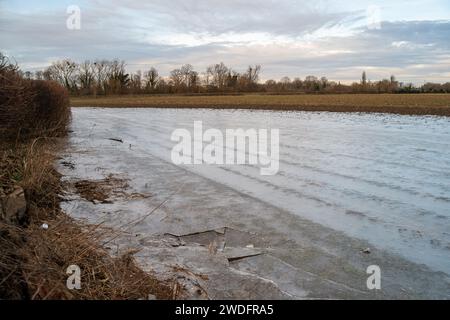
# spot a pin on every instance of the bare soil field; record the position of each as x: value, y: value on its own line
x: 414, y: 104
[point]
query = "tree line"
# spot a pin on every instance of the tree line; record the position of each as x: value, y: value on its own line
x: 109, y: 77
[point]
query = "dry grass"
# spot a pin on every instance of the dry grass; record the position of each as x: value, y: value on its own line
x: 30, y: 165
x: 100, y: 190
x: 420, y: 104
x: 105, y: 190
x: 33, y: 261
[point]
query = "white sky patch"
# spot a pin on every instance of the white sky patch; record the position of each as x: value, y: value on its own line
x: 227, y: 39
x: 410, y: 45
x: 401, y: 44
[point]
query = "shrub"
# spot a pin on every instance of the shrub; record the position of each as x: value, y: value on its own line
x: 30, y: 108
x: 15, y: 98
x: 51, y: 107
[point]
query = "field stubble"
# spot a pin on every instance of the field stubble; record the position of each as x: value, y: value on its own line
x: 414, y: 104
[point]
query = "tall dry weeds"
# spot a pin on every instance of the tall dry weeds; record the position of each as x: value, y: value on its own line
x: 34, y: 260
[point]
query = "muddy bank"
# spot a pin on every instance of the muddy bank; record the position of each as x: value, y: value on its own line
x: 220, y: 242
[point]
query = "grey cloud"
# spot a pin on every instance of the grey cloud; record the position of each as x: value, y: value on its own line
x: 426, y: 45
x: 124, y: 29
x: 217, y: 17
x: 38, y: 38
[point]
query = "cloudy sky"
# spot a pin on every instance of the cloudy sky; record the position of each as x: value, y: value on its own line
x: 338, y: 39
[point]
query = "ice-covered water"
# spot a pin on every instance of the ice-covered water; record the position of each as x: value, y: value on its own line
x: 382, y: 178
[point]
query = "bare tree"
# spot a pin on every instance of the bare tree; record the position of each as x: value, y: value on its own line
x: 186, y: 71
x: 297, y: 84
x: 311, y: 83
x: 136, y: 82
x: 177, y: 79
x: 253, y: 74
x: 218, y: 74
x: 28, y: 75
x: 86, y: 76
x: 324, y: 82
x: 65, y: 73
x: 271, y: 85
x: 39, y: 75
x: 151, y: 79
x: 193, y: 81
x: 232, y: 79
x: 118, y: 79
x: 101, y: 75
x: 364, y: 79
x: 285, y: 80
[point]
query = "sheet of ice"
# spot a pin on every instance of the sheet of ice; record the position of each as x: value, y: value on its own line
x: 381, y: 178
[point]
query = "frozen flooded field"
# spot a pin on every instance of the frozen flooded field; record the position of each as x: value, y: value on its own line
x: 346, y: 182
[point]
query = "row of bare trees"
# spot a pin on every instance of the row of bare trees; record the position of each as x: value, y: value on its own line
x: 98, y: 77
x: 312, y: 84
x: 104, y: 77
